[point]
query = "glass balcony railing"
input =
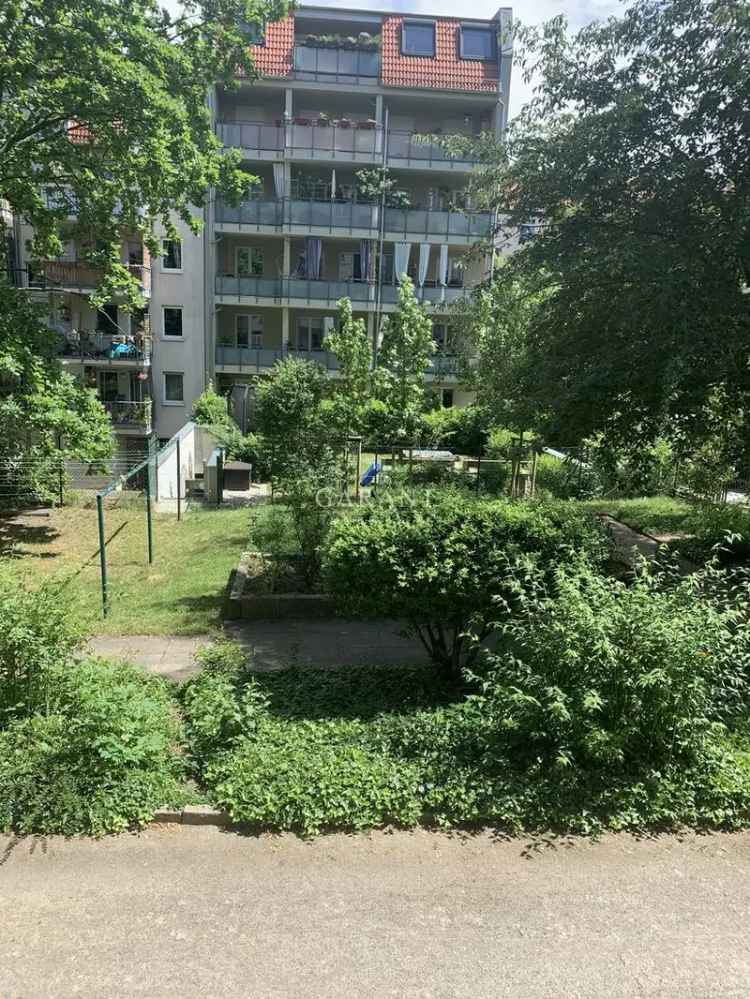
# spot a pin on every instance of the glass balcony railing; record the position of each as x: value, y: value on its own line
x: 349, y: 215
x: 258, y: 136
x: 256, y: 359
x: 302, y: 289
x: 338, y: 65
x: 412, y: 149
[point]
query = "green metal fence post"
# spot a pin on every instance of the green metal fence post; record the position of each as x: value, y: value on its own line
x: 219, y: 477
x: 102, y: 552
x: 149, y: 529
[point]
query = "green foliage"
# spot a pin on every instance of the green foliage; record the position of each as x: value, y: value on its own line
x: 373, y: 185
x: 572, y: 477
x: 463, y: 430
x: 643, y: 249
x: 101, y: 758
x: 40, y: 405
x: 619, y: 679
x: 135, y: 77
x: 349, y: 343
x: 210, y: 409
x: 288, y: 415
x: 37, y: 635
x: 404, y: 357
x: 450, y: 565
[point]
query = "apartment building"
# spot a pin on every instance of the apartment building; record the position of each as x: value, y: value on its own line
x: 343, y: 95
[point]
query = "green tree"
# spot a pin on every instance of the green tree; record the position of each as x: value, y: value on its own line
x: 633, y: 153
x: 351, y: 347
x: 210, y: 409
x: 104, y: 117
x: 41, y: 407
x: 289, y: 416
x: 404, y: 358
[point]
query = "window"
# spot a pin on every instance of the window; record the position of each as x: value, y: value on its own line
x: 447, y: 399
x: 478, y: 43
x: 248, y: 331
x: 171, y: 255
x: 254, y: 31
x: 350, y: 267
x: 310, y: 332
x: 455, y: 273
x: 173, y: 388
x: 106, y: 318
x: 172, y: 321
x: 249, y: 261
x: 418, y: 38
x: 441, y: 337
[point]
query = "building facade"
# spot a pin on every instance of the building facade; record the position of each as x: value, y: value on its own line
x: 344, y: 99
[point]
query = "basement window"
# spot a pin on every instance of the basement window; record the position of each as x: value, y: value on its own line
x: 418, y: 38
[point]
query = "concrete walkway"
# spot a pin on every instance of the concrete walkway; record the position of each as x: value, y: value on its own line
x: 629, y: 542
x: 272, y: 645
x: 198, y: 913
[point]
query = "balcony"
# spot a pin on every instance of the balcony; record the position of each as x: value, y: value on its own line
x: 74, y: 276
x: 411, y: 149
x: 134, y: 417
x: 105, y: 349
x: 272, y: 291
x: 465, y: 226
x: 336, y: 65
x: 254, y: 360
x: 432, y: 293
x: 443, y: 366
x: 305, y: 139
x: 347, y: 217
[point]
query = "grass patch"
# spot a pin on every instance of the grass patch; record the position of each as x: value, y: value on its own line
x: 654, y: 515
x: 181, y: 593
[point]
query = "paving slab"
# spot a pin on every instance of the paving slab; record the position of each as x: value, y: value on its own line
x: 196, y: 912
x: 272, y: 645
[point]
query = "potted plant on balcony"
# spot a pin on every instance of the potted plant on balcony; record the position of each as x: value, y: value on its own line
x: 323, y: 120
x: 367, y: 123
x: 343, y: 123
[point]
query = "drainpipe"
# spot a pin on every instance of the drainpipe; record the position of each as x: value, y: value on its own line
x: 381, y: 240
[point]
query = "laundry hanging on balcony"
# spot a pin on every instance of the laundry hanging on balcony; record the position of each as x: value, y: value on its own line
x: 401, y: 253
x: 443, y: 270
x: 424, y: 262
x: 313, y: 257
x: 333, y: 184
x: 279, y: 180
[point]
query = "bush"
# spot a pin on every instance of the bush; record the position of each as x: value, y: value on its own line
x: 614, y: 679
x: 37, y: 635
x: 309, y: 777
x: 210, y: 409
x: 102, y: 758
x: 448, y: 564
x: 462, y: 430
x: 567, y: 478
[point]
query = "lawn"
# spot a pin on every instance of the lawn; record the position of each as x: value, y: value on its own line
x: 656, y: 515
x: 180, y: 594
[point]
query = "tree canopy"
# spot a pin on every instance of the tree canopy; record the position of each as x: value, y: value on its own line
x: 104, y: 116
x: 633, y: 154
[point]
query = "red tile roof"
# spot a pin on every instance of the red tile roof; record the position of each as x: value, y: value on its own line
x: 275, y: 58
x: 447, y: 71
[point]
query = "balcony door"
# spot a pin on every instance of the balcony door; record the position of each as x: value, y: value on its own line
x: 310, y: 331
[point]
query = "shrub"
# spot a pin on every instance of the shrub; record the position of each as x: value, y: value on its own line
x: 308, y: 777
x: 37, y: 635
x: 101, y: 759
x: 447, y: 564
x: 604, y: 677
x: 210, y: 409
x: 462, y: 430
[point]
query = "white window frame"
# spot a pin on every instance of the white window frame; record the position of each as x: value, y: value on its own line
x: 248, y: 249
x: 254, y: 336
x: 171, y: 270
x: 170, y: 337
x: 172, y: 402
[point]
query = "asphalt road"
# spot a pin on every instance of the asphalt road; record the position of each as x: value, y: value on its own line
x: 188, y: 913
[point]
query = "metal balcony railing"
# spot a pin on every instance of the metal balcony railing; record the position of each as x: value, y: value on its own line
x: 256, y: 359
x: 72, y: 275
x: 432, y: 292
x: 127, y: 415
x: 411, y: 149
x: 337, y: 140
x: 115, y: 348
x: 335, y: 65
x: 303, y: 289
x: 429, y: 222
x: 258, y: 136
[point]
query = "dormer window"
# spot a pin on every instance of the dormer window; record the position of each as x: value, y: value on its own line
x: 418, y: 38
x: 478, y: 43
